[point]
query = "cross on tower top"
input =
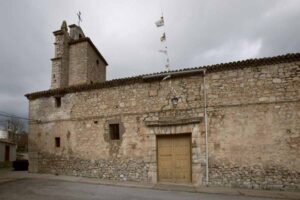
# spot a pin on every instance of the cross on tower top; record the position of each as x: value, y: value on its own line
x: 79, y: 18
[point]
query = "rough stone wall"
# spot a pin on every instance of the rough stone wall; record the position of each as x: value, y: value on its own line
x: 254, y: 130
x: 60, y: 62
x: 82, y: 123
x: 85, y: 65
x: 56, y: 74
x: 255, y: 146
x: 96, y: 68
x: 275, y: 83
x: 113, y: 169
x: 78, y: 63
x: 253, y: 118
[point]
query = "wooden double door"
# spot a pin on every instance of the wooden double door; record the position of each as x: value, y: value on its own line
x: 174, y: 158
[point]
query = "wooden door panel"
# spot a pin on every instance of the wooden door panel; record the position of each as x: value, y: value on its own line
x: 174, y: 158
x: 182, y: 156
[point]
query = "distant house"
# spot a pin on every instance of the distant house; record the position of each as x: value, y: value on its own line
x: 7, y: 152
x: 7, y: 135
x: 3, y: 134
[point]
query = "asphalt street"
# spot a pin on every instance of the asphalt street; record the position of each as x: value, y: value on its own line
x: 37, y: 189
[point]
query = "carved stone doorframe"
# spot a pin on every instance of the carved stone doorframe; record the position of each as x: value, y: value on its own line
x: 194, y: 126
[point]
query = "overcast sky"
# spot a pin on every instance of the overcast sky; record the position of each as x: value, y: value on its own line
x: 199, y: 32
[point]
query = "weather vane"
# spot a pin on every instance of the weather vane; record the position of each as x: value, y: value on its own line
x: 79, y: 18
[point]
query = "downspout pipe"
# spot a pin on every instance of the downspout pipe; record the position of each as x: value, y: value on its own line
x: 206, y: 128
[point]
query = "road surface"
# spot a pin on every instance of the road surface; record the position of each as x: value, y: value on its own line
x: 37, y: 189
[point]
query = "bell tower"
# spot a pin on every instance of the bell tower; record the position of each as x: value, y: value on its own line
x: 76, y: 60
x: 60, y: 62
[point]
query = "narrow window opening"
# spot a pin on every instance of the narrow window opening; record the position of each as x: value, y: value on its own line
x: 53, y: 75
x: 97, y: 61
x: 57, y: 142
x: 95, y: 122
x: 80, y: 36
x: 58, y: 102
x: 114, y: 131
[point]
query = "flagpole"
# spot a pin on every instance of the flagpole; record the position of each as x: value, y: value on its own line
x: 166, y: 49
x: 165, y: 34
x: 166, y: 45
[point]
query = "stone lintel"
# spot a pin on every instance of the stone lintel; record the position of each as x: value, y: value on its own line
x: 174, y: 121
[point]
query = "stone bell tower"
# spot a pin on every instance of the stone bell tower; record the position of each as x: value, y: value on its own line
x: 60, y: 62
x: 76, y: 60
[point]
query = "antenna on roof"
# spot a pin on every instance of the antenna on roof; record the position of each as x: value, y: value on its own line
x: 79, y: 17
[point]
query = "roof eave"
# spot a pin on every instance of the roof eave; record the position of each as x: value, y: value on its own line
x: 288, y: 58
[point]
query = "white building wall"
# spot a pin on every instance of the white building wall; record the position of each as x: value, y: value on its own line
x: 3, y: 134
x: 12, y: 153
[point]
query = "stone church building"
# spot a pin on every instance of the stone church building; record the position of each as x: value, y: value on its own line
x: 232, y: 124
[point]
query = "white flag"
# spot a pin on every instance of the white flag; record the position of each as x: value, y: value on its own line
x: 160, y: 22
x: 163, y: 37
x: 163, y: 51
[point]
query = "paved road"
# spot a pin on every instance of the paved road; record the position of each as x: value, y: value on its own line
x: 33, y: 189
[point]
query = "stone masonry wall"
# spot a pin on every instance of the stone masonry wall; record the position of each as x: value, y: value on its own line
x: 254, y: 130
x: 255, y: 146
x: 78, y: 63
x: 82, y: 123
x: 60, y: 62
x: 56, y: 74
x: 96, y: 68
x: 85, y: 66
x: 253, y: 116
x: 113, y: 169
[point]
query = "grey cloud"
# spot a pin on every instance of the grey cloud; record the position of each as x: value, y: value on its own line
x: 198, y: 32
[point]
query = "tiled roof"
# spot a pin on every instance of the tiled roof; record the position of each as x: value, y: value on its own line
x: 287, y: 58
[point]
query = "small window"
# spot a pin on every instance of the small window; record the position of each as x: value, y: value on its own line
x: 53, y: 75
x: 58, y: 102
x: 57, y: 142
x: 114, y: 131
x: 97, y: 61
x: 80, y: 36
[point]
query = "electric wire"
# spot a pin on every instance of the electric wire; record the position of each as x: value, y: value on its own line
x: 7, y: 115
